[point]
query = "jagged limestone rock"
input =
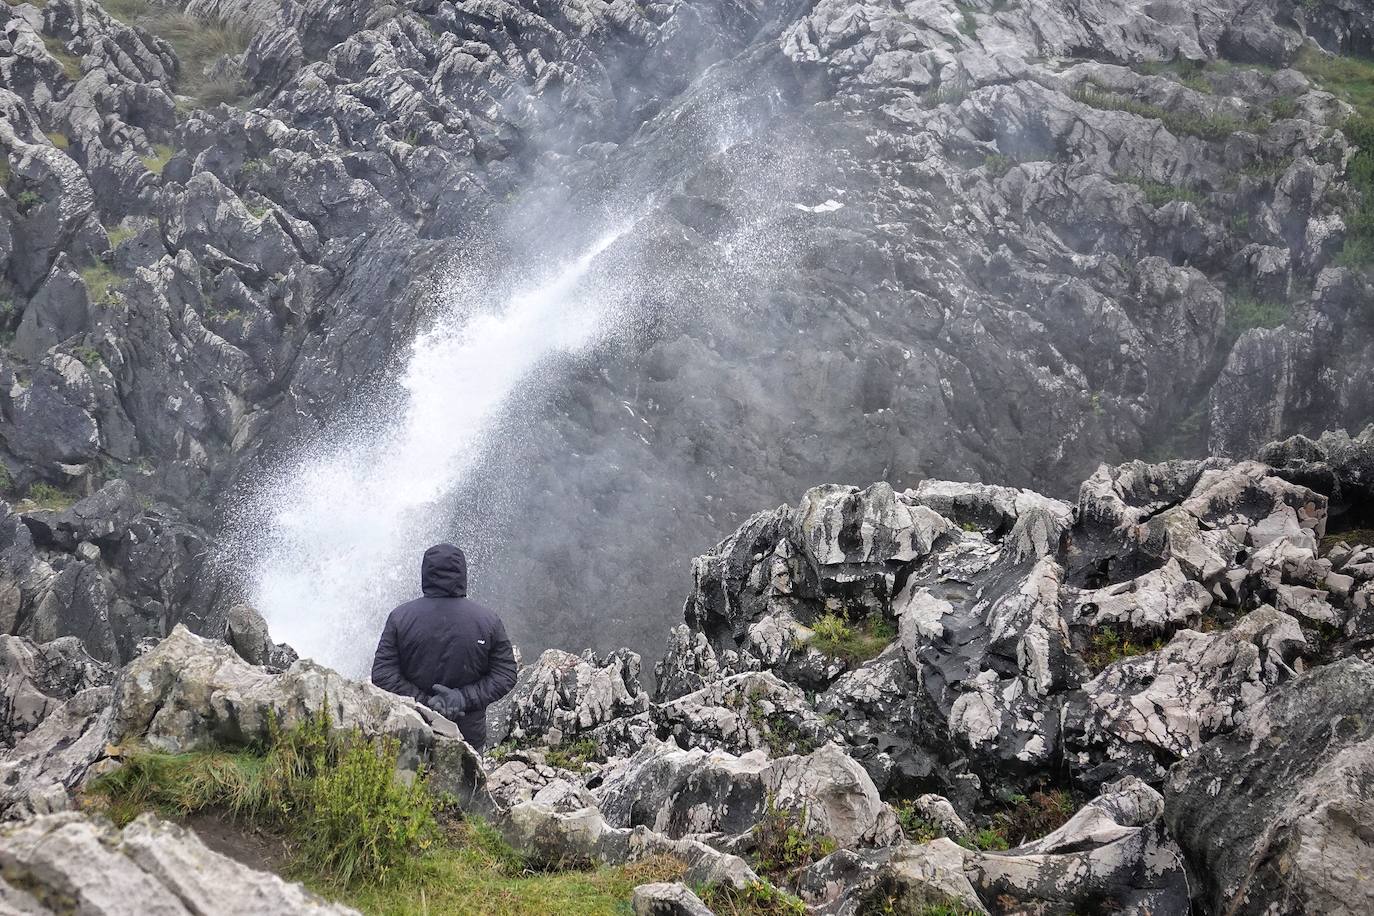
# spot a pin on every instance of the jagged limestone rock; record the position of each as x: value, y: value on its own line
x: 68, y: 863
x: 1277, y: 816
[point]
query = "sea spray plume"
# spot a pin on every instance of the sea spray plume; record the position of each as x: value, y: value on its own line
x: 345, y: 519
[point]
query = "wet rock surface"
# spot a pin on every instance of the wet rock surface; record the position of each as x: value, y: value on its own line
x: 1012, y: 245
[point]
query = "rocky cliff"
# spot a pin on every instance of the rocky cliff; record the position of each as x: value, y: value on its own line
x: 1153, y: 700
x: 988, y: 240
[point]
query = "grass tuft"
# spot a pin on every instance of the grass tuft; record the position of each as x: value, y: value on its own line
x: 1107, y: 644
x: 101, y: 283
x: 157, y: 161
x: 1244, y: 313
x: 1158, y: 194
x: 854, y: 643
x: 572, y: 755
x: 198, y: 42
x: 783, y: 845
x: 48, y: 497
x: 1207, y: 127
x: 71, y: 64
x: 1352, y: 80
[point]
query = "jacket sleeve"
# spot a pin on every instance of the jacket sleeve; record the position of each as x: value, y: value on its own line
x: 500, y: 676
x: 386, y: 667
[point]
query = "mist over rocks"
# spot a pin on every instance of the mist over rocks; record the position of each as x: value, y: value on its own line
x: 1045, y: 243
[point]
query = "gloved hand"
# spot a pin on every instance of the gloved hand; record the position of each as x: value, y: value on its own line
x: 448, y: 702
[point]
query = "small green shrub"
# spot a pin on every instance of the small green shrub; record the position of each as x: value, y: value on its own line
x: 47, y: 496
x: 1157, y: 193
x: 1033, y: 816
x: 88, y: 355
x: 998, y: 165
x: 1245, y: 312
x: 988, y: 838
x: 572, y: 755
x: 59, y: 140
x: 1107, y: 644
x: 916, y: 827
x: 853, y: 643
x: 198, y: 42
x: 758, y: 898
x: 27, y: 200
x: 782, y: 844
x: 1284, y: 107
x: 968, y: 23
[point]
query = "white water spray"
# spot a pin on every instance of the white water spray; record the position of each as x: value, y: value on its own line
x: 349, y: 520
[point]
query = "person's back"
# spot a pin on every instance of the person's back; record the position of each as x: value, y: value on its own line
x: 445, y: 650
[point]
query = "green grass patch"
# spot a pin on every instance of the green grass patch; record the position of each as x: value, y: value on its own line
x: 335, y: 796
x: 88, y: 355
x: 1352, y: 537
x: 989, y: 838
x: 71, y: 64
x: 1108, y: 644
x: 997, y: 164
x: 572, y: 755
x: 59, y: 140
x: 916, y: 827
x: 359, y: 835
x: 101, y: 283
x: 46, y: 496
x: 198, y: 43
x: 1033, y: 816
x: 477, y: 874
x: 782, y: 844
x: 1246, y: 312
x: 157, y: 161
x: 1208, y: 127
x: 1351, y: 79
x: 854, y: 643
x: 1158, y: 194
x: 1190, y: 73
x: 118, y: 235
x: 758, y: 898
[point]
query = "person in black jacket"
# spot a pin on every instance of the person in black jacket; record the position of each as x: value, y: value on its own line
x: 446, y: 650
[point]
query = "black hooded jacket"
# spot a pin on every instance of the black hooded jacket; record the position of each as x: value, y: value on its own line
x: 446, y: 639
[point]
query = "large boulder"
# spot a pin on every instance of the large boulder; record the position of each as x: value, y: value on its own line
x: 1114, y: 855
x: 692, y: 792
x: 68, y: 863
x: 1277, y: 817
x: 563, y: 696
x: 191, y: 693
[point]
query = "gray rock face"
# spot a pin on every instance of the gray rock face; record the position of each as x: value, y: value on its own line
x: 68, y: 863
x: 1114, y: 852
x: 36, y: 679
x: 1012, y: 245
x: 1277, y: 816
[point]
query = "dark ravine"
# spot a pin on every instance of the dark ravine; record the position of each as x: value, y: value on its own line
x: 1049, y: 247
x: 1152, y: 700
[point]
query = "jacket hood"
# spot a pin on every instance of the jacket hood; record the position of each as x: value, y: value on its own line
x: 444, y: 572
